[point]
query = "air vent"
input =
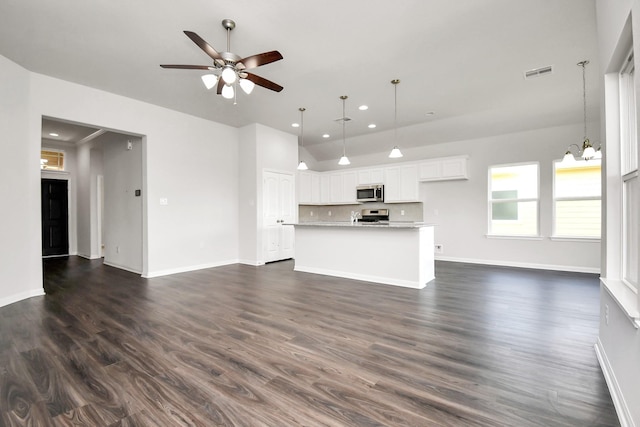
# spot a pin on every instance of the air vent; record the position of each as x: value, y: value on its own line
x: 343, y: 119
x: 538, y: 72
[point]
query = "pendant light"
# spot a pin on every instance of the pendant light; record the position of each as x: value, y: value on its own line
x: 395, y: 153
x: 302, y: 166
x: 344, y: 160
x: 587, y: 152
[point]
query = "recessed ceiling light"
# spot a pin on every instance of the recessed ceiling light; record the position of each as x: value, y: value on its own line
x: 326, y: 135
x: 295, y: 125
x: 372, y: 126
x: 53, y: 134
x: 363, y: 107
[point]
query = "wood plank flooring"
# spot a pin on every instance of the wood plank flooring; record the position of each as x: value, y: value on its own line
x: 267, y: 346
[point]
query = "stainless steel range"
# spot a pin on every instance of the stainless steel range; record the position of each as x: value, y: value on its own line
x: 380, y: 216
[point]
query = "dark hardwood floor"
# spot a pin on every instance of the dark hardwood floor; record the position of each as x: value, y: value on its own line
x: 267, y: 346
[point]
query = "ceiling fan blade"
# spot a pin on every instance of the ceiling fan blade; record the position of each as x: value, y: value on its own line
x: 188, y: 67
x: 254, y: 61
x: 204, y: 46
x: 220, y: 86
x: 261, y: 81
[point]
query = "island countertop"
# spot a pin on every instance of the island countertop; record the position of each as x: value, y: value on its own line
x: 391, y: 224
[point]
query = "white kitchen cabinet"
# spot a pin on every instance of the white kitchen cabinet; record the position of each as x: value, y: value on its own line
x: 342, y: 187
x: 324, y: 189
x: 401, y: 184
x: 371, y: 176
x: 446, y: 168
x: 309, y: 188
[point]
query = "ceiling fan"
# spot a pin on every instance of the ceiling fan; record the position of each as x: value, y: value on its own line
x: 232, y: 67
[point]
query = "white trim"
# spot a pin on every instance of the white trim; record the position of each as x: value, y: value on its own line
x: 21, y: 296
x: 121, y: 267
x: 570, y: 268
x: 502, y: 236
x: 625, y: 297
x: 575, y: 239
x: 250, y: 262
x: 170, y: 271
x: 622, y: 409
x: 363, y: 277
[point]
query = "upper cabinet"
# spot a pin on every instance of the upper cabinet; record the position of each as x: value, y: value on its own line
x: 401, y: 181
x: 445, y: 168
x: 401, y: 184
x: 342, y: 187
x: 371, y: 176
x: 309, y: 188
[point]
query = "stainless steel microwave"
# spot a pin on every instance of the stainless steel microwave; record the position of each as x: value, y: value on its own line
x: 370, y: 193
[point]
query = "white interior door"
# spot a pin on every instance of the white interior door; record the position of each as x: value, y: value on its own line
x: 278, y: 209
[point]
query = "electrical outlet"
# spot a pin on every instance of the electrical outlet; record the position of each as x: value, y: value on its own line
x: 402, y: 212
x: 311, y: 213
x: 606, y: 314
x: 439, y: 248
x: 117, y: 249
x: 329, y: 213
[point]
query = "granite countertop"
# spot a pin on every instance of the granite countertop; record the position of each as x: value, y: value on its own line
x: 391, y: 224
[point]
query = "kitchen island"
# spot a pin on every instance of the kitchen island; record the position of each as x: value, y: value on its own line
x: 397, y: 253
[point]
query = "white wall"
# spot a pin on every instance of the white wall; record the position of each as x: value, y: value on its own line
x: 190, y: 161
x: 89, y: 164
x: 618, y: 341
x: 122, y: 220
x: 20, y: 228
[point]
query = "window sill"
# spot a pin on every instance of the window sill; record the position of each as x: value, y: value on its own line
x: 500, y: 236
x: 575, y: 239
x: 625, y: 297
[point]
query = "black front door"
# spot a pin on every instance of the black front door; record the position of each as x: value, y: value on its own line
x: 55, y: 233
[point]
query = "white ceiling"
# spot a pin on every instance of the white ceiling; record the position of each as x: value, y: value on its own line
x: 462, y: 59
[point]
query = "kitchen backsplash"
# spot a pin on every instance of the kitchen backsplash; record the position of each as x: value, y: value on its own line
x: 412, y: 211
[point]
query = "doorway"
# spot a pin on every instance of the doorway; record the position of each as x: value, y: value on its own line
x: 55, y: 217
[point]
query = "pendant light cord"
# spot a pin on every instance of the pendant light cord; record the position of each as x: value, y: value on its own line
x: 584, y: 97
x: 344, y: 144
x: 395, y: 112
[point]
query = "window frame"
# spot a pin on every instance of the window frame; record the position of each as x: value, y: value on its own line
x: 554, y: 232
x: 491, y: 200
x: 54, y: 150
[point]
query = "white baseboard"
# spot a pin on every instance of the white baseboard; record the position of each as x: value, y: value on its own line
x: 122, y: 267
x: 250, y: 262
x: 571, y: 268
x: 624, y: 415
x: 169, y: 271
x: 21, y: 296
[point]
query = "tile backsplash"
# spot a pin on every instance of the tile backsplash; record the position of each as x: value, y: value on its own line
x: 412, y: 211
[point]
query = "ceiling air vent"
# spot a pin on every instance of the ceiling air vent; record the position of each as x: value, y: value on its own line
x: 538, y: 72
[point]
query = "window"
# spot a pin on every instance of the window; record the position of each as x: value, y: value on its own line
x: 629, y: 172
x: 577, y: 195
x: 51, y: 159
x: 513, y: 200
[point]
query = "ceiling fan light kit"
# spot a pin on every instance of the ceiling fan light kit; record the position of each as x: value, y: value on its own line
x: 232, y: 68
